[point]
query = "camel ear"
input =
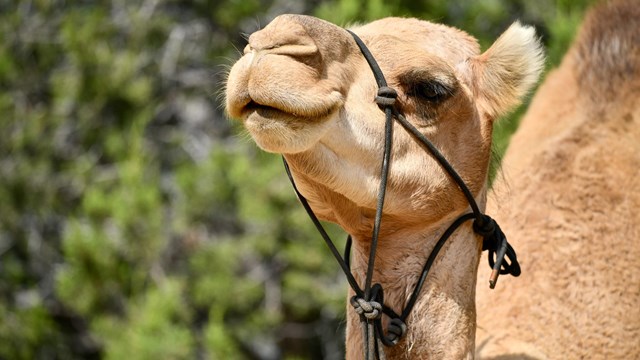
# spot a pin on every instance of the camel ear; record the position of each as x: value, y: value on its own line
x: 504, y: 73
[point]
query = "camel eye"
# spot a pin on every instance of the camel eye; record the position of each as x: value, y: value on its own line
x: 432, y: 91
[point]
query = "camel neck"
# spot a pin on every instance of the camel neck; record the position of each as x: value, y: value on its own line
x: 442, y: 322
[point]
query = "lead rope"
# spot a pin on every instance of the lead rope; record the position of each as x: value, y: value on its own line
x: 369, y: 302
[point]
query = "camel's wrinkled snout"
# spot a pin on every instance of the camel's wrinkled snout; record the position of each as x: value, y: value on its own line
x: 291, y: 40
x: 290, y: 82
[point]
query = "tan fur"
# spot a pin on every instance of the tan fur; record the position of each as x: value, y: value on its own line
x: 303, y: 89
x: 570, y: 203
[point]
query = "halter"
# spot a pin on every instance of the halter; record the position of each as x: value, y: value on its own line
x: 368, y: 301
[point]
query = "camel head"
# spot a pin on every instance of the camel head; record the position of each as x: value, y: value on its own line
x: 303, y: 89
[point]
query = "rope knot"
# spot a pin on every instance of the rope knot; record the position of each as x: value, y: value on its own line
x: 372, y: 310
x: 496, y: 243
x: 485, y: 226
x: 396, y: 330
x: 386, y: 96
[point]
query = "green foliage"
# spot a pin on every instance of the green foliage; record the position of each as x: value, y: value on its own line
x: 24, y: 329
x: 156, y: 327
x: 135, y: 220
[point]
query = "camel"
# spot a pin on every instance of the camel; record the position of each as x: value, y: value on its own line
x: 304, y: 90
x: 569, y: 199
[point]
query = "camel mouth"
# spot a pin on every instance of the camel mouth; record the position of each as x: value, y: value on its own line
x: 284, y: 113
x: 283, y: 131
x: 264, y: 111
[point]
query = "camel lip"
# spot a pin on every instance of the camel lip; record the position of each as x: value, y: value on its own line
x: 253, y: 106
x: 267, y: 112
x: 277, y: 113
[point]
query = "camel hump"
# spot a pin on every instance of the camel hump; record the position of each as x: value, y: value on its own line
x: 608, y: 47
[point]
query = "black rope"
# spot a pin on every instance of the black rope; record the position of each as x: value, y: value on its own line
x: 369, y: 302
x: 442, y: 161
x: 345, y: 268
x: 427, y: 265
x: 495, y: 242
x: 384, y: 176
x: 373, y: 64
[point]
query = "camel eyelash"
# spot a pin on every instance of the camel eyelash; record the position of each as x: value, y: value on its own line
x: 430, y: 90
x: 425, y: 86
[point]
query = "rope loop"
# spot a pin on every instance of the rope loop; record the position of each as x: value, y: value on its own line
x: 396, y: 330
x: 372, y: 310
x: 512, y: 267
x: 386, y: 96
x: 496, y: 243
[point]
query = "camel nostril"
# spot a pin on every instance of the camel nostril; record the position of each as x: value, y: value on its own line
x: 294, y: 50
x: 297, y: 50
x: 292, y: 40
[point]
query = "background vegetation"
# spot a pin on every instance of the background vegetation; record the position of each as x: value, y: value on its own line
x: 136, y: 221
